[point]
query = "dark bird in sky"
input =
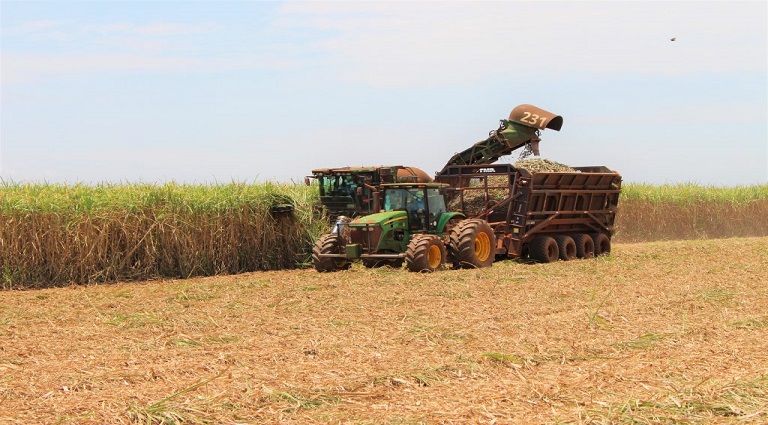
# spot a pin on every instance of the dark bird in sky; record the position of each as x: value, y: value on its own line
x: 673, y: 39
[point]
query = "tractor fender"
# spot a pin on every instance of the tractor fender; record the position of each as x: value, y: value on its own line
x: 445, y: 217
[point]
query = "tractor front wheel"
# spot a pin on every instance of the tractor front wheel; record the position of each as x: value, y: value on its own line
x: 425, y: 253
x: 472, y: 244
x: 329, y: 244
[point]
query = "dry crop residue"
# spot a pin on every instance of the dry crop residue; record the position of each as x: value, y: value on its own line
x: 538, y: 165
x: 670, y: 332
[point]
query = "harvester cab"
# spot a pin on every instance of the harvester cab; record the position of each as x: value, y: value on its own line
x: 354, y: 191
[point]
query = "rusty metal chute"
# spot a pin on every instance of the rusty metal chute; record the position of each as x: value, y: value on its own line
x: 536, y: 117
x: 521, y: 129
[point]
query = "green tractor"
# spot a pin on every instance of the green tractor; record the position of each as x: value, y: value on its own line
x: 414, y: 227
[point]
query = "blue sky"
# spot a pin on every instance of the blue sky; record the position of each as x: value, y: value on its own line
x: 124, y: 91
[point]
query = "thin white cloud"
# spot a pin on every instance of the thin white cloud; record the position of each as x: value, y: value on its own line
x: 47, y: 27
x: 23, y: 68
x: 402, y: 44
x: 691, y: 114
x: 33, y: 27
x: 49, y: 49
x: 28, y: 68
x: 151, y: 29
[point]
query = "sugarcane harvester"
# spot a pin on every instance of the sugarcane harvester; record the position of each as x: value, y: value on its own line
x: 542, y: 215
x: 348, y: 192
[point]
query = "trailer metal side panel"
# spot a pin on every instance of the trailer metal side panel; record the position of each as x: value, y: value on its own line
x: 520, y: 205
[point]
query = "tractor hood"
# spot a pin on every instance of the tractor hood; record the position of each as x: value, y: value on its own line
x: 382, y: 218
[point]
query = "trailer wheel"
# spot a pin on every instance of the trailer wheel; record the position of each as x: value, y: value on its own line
x: 585, y: 246
x: 602, y: 244
x: 544, y: 249
x: 425, y: 253
x: 566, y: 247
x: 472, y: 244
x: 328, y: 244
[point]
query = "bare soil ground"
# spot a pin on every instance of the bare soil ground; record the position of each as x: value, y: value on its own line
x: 673, y: 332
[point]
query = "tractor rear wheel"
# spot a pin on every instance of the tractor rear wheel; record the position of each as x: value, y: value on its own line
x: 602, y: 244
x: 585, y: 246
x: 472, y: 244
x: 328, y: 244
x: 544, y: 249
x: 425, y: 253
x: 566, y: 246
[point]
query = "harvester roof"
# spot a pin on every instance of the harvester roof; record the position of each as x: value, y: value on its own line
x: 412, y: 185
x: 353, y: 169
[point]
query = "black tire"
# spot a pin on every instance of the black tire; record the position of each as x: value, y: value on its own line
x: 585, y: 246
x: 472, y: 244
x: 544, y: 249
x: 425, y: 254
x: 566, y: 247
x: 328, y: 244
x: 602, y: 244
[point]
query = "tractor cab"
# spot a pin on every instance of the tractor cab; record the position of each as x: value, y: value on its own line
x: 423, y: 203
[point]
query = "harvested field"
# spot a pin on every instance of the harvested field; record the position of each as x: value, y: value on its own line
x: 673, y: 332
